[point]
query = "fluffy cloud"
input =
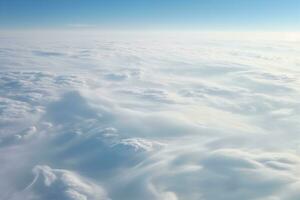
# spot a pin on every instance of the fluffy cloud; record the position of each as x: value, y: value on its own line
x: 51, y: 183
x: 87, y: 116
x: 235, y: 174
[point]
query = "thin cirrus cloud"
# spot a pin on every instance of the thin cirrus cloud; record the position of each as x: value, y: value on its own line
x: 85, y: 116
x: 80, y: 26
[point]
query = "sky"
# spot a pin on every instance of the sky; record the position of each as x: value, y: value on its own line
x: 146, y: 115
x: 266, y: 15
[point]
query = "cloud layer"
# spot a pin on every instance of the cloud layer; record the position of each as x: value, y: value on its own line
x: 146, y: 116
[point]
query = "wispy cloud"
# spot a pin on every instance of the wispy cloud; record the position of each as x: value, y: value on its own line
x: 79, y: 25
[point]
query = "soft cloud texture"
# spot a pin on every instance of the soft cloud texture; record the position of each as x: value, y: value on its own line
x: 87, y: 116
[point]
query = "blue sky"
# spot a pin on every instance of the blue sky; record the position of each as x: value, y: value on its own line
x: 152, y: 14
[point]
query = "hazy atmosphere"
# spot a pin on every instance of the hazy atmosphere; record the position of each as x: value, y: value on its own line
x: 149, y: 100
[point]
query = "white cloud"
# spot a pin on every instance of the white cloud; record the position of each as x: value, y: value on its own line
x: 146, y: 116
x: 51, y: 183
